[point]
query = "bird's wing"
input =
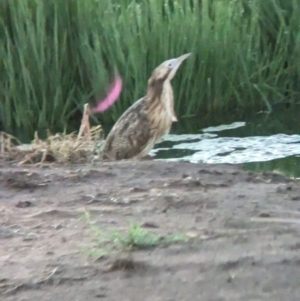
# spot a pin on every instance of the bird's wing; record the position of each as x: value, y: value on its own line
x: 130, y: 135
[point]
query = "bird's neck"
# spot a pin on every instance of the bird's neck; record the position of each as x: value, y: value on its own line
x: 168, y: 100
x: 160, y: 98
x: 157, y: 89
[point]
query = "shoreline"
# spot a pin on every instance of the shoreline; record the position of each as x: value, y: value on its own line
x: 241, y: 226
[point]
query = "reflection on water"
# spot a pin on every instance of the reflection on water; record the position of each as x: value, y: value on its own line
x: 235, y: 150
x: 259, y: 141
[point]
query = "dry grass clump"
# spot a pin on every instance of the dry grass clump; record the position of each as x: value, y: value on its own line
x: 59, y: 148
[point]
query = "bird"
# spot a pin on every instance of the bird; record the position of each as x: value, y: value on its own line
x: 145, y: 122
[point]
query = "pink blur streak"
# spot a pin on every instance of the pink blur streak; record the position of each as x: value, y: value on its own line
x: 112, y: 96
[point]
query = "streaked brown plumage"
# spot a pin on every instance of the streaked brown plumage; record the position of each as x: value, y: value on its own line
x: 144, y: 123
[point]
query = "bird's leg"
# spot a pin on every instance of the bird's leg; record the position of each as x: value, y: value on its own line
x: 85, y: 123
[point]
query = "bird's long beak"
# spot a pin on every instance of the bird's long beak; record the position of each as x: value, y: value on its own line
x: 177, y: 62
x: 183, y: 57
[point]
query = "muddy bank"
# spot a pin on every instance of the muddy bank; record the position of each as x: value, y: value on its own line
x: 243, y: 228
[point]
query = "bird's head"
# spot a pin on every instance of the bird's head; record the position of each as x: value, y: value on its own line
x: 167, y: 70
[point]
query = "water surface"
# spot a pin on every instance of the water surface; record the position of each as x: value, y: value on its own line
x: 259, y: 141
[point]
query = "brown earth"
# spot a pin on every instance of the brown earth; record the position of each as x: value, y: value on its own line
x: 244, y: 231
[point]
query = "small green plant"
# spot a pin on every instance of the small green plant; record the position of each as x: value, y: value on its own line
x: 135, y: 238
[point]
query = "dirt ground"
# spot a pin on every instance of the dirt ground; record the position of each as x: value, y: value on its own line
x: 244, y: 231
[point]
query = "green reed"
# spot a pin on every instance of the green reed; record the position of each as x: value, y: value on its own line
x: 56, y: 55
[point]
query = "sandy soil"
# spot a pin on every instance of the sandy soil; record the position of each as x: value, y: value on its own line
x: 244, y: 231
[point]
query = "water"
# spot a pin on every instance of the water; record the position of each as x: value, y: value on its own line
x: 261, y: 142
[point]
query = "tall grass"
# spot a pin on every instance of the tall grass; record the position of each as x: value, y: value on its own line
x: 56, y: 55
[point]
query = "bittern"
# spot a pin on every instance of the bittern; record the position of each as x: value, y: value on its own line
x: 143, y: 124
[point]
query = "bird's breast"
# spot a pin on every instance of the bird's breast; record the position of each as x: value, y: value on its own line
x: 161, y: 120
x: 161, y: 113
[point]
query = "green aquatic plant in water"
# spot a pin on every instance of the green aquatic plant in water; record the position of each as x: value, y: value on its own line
x: 57, y: 55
